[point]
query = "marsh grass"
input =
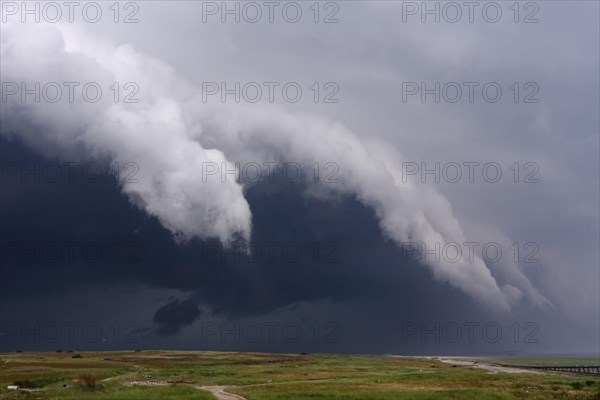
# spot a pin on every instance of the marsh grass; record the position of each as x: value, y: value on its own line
x: 259, y: 376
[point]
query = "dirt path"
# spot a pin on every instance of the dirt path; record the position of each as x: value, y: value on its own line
x: 488, y: 367
x: 220, y: 393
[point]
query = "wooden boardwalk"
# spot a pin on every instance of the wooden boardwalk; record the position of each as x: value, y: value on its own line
x: 576, y: 369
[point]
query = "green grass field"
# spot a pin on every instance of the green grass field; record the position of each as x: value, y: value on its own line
x: 259, y: 376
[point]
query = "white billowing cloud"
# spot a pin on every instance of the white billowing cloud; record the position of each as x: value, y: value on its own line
x: 371, y: 171
x: 172, y: 136
x: 153, y: 134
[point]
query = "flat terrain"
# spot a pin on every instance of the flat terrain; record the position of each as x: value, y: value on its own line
x: 187, y: 375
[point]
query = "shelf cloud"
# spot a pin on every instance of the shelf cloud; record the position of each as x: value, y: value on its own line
x: 173, y: 136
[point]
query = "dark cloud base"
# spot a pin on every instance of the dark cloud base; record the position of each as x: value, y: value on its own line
x: 359, y: 286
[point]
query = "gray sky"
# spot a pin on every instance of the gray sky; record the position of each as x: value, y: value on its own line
x: 371, y: 126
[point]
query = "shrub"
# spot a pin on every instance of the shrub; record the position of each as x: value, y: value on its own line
x: 77, y: 356
x: 87, y: 381
x: 26, y: 384
x: 576, y: 385
x: 35, y: 384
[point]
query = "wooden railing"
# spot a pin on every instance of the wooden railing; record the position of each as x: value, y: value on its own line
x: 577, y: 369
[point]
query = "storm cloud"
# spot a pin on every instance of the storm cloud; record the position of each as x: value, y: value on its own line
x: 173, y: 316
x: 191, y: 225
x: 174, y: 137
